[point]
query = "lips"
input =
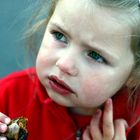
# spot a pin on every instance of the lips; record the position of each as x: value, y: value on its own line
x: 59, y: 86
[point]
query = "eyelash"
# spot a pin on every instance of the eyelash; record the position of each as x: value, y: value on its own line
x: 59, y: 36
x: 97, y: 57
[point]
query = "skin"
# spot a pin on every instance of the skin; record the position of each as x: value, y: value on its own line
x: 66, y: 52
x: 89, y: 49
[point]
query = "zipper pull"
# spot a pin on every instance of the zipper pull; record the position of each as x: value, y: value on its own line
x: 78, y: 134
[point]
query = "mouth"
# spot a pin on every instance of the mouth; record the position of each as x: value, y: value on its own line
x: 59, y: 86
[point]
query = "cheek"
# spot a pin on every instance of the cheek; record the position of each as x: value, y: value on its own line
x: 45, y: 57
x: 93, y: 91
x: 97, y: 88
x: 41, y: 60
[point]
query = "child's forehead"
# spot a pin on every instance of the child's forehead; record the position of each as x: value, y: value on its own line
x: 76, y: 3
x: 83, y: 8
x: 86, y: 13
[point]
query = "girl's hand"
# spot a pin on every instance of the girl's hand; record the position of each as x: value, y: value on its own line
x: 109, y: 130
x: 4, y: 121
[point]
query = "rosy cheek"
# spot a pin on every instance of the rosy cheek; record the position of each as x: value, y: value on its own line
x: 87, y: 87
x: 92, y: 87
x: 40, y: 59
x: 89, y: 90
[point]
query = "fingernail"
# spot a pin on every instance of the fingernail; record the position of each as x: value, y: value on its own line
x: 7, y: 120
x: 109, y: 101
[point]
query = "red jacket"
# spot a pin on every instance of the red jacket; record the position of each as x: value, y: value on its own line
x: 21, y: 94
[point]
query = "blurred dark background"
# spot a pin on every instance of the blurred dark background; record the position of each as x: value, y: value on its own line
x: 13, y: 16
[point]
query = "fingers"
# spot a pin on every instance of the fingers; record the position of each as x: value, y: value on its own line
x: 95, y: 126
x: 106, y: 131
x: 86, y: 134
x: 120, y: 127
x: 108, y: 125
x: 113, y: 130
x: 3, y: 127
x: 3, y: 138
x: 93, y: 131
x: 105, y: 128
x: 4, y: 121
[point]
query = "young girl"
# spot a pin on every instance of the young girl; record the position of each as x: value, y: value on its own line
x: 85, y: 85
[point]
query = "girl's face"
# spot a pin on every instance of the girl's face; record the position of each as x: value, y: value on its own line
x: 85, y: 55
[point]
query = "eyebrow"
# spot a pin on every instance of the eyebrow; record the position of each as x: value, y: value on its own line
x: 60, y: 27
x: 98, y: 49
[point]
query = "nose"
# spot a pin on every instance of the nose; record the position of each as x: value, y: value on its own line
x: 67, y: 65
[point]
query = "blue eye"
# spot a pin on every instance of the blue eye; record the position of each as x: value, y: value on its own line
x: 60, y: 37
x: 97, y: 57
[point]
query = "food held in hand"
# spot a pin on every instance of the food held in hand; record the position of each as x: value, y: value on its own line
x: 17, y: 129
